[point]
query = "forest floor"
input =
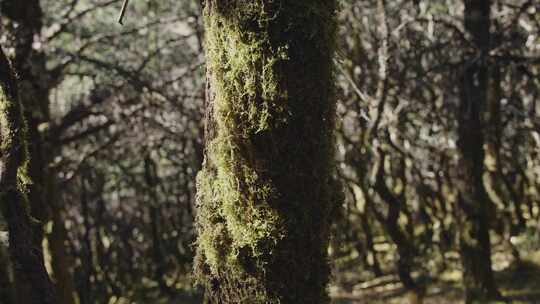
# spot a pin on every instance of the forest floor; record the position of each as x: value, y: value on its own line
x: 519, y: 283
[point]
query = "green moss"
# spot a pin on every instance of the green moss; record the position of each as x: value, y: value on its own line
x: 266, y: 183
x: 248, y: 101
x: 6, y: 133
x: 13, y: 138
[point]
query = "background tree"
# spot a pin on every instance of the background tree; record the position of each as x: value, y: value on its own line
x: 32, y: 282
x: 474, y: 204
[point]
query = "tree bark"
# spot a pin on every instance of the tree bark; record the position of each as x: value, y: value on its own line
x: 266, y: 192
x: 35, y: 83
x: 33, y: 283
x: 474, y: 202
x: 25, y: 24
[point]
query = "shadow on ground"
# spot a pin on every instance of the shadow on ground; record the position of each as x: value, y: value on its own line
x: 520, y: 282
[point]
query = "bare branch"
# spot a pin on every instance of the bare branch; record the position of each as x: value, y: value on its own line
x: 123, y: 12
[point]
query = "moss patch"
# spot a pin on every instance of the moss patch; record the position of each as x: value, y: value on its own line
x: 247, y: 101
x: 13, y: 145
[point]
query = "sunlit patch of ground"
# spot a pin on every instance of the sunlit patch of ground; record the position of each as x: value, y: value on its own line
x: 519, y: 281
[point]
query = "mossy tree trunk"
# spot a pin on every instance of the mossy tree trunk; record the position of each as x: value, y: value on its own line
x: 24, y: 28
x: 33, y: 283
x: 474, y: 202
x: 266, y: 192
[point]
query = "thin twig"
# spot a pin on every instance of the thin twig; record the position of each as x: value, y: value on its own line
x: 123, y: 12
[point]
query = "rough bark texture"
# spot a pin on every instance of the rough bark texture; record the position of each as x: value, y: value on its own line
x: 474, y: 203
x: 266, y: 193
x: 23, y: 30
x: 33, y: 284
x: 25, y: 24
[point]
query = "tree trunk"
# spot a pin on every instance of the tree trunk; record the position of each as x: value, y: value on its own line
x: 61, y: 261
x: 33, y: 283
x: 266, y: 192
x: 25, y: 24
x: 474, y: 203
x: 405, y: 247
x: 35, y: 82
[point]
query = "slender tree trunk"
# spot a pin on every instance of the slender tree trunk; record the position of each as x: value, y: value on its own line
x: 497, y: 179
x: 61, y: 261
x: 370, y: 244
x: 266, y: 192
x: 405, y: 247
x: 33, y: 283
x: 474, y: 203
x: 152, y: 182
